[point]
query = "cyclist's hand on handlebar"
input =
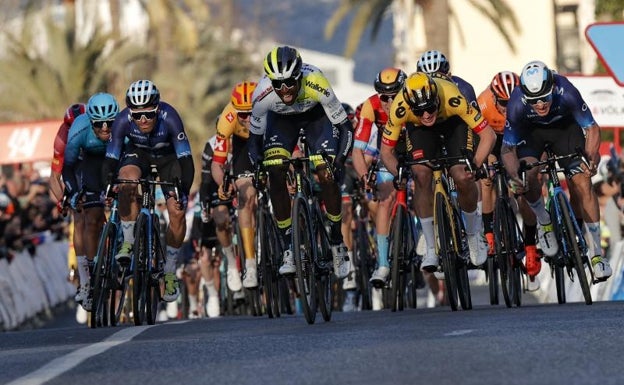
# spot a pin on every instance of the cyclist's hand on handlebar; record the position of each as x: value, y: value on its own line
x: 181, y: 200
x: 516, y: 185
x: 225, y: 195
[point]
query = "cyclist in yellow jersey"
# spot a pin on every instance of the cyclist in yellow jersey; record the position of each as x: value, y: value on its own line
x: 429, y: 107
x: 294, y: 95
x: 493, y: 105
x: 233, y: 126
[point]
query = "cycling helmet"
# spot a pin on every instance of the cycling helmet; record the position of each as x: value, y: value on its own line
x: 503, y: 83
x: 73, y: 111
x: 102, y: 106
x: 241, y: 95
x: 283, y: 63
x: 142, y: 94
x: 420, y: 91
x: 433, y: 61
x: 536, y: 80
x: 390, y: 81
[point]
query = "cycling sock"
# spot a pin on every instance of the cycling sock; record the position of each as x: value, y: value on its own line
x: 229, y: 254
x: 192, y: 302
x: 594, y: 231
x: 488, y: 218
x: 540, y: 211
x: 212, y: 290
x: 127, y: 227
x: 83, y: 269
x: 427, y: 228
x: 529, y: 235
x: 172, y: 259
x: 247, y: 233
x: 382, y: 248
x: 471, y: 220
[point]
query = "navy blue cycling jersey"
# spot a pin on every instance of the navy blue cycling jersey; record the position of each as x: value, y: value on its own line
x: 81, y: 142
x: 168, y: 136
x: 566, y: 101
x: 467, y: 90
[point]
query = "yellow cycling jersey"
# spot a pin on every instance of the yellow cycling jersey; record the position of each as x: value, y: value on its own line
x: 227, y: 126
x: 452, y: 103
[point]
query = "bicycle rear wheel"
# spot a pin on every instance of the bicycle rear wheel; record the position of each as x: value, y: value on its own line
x: 304, y: 255
x: 569, y: 235
x: 398, y: 255
x: 446, y: 251
x: 102, y: 278
x: 140, y: 273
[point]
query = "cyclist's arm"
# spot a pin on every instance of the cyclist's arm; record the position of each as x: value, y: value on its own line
x: 206, y: 173
x: 592, y: 144
x: 487, y: 140
x: 388, y: 158
x: 362, y: 138
x: 72, y: 151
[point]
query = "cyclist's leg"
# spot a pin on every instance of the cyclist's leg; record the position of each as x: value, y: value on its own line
x: 488, y: 197
x: 133, y: 166
x: 349, y: 284
x: 209, y: 262
x: 386, y: 195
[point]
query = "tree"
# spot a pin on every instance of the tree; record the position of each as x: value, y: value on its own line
x: 436, y: 14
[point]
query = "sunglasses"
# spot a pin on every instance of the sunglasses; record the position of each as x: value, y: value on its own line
x: 149, y: 114
x: 543, y: 99
x: 243, y: 115
x: 502, y: 102
x: 386, y: 97
x: 421, y: 111
x: 286, y: 84
x: 99, y: 124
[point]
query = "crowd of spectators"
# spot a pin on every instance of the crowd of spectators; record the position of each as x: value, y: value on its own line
x: 27, y: 211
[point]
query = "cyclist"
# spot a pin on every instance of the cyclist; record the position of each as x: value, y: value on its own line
x: 84, y: 153
x: 429, y: 107
x: 233, y: 126
x: 493, y: 105
x: 156, y: 135
x: 209, y: 259
x: 436, y: 64
x: 290, y: 96
x: 374, y: 114
x: 57, y: 188
x: 548, y: 108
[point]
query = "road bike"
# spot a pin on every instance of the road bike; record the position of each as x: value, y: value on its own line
x: 571, y: 260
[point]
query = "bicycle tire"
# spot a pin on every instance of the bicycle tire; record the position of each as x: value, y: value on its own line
x: 397, y: 257
x: 446, y: 251
x: 492, y: 276
x: 324, y: 267
x: 140, y: 278
x: 461, y: 265
x: 504, y: 246
x: 269, y: 252
x: 157, y: 260
x: 303, y: 253
x: 364, y: 262
x: 117, y: 301
x: 569, y: 235
x: 101, y: 277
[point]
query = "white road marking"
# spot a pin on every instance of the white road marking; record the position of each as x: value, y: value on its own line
x: 459, y: 332
x: 69, y: 361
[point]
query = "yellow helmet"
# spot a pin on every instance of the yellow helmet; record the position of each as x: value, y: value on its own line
x: 420, y: 91
x: 241, y: 95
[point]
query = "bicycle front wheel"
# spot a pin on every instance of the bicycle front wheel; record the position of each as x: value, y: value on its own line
x: 573, y: 251
x: 398, y: 249
x: 269, y: 251
x: 304, y: 255
x: 446, y: 249
x: 503, y: 242
x: 140, y: 272
x: 102, y: 278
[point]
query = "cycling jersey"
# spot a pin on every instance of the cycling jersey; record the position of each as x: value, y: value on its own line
x: 81, y: 142
x: 465, y: 88
x: 452, y: 103
x: 370, y: 116
x: 487, y: 105
x: 60, y: 141
x: 167, y: 137
x: 566, y: 101
x: 227, y: 126
x: 315, y: 89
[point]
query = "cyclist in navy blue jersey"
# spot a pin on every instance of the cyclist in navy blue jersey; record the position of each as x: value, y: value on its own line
x: 547, y: 108
x: 155, y: 135
x: 86, y: 145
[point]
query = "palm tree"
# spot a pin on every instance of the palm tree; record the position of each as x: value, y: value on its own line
x: 436, y: 14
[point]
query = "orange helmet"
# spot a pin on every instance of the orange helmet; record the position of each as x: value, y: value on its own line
x: 241, y: 95
x: 503, y: 83
x: 390, y: 80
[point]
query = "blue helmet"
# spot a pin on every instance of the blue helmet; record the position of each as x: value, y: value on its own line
x: 102, y: 106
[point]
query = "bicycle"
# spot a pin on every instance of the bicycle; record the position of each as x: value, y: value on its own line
x: 509, y: 245
x: 148, y: 253
x: 310, y: 240
x: 108, y: 277
x: 573, y: 249
x: 269, y: 248
x: 452, y: 246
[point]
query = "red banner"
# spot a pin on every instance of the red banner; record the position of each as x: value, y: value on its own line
x: 27, y: 142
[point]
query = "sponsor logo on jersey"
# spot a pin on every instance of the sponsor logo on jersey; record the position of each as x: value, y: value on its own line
x: 400, y: 112
x: 455, y: 101
x: 219, y: 144
x: 317, y: 87
x: 477, y: 116
x: 418, y: 154
x: 229, y: 117
x: 181, y: 136
x: 264, y: 93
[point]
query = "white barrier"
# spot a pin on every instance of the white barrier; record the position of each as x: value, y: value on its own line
x: 30, y: 285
